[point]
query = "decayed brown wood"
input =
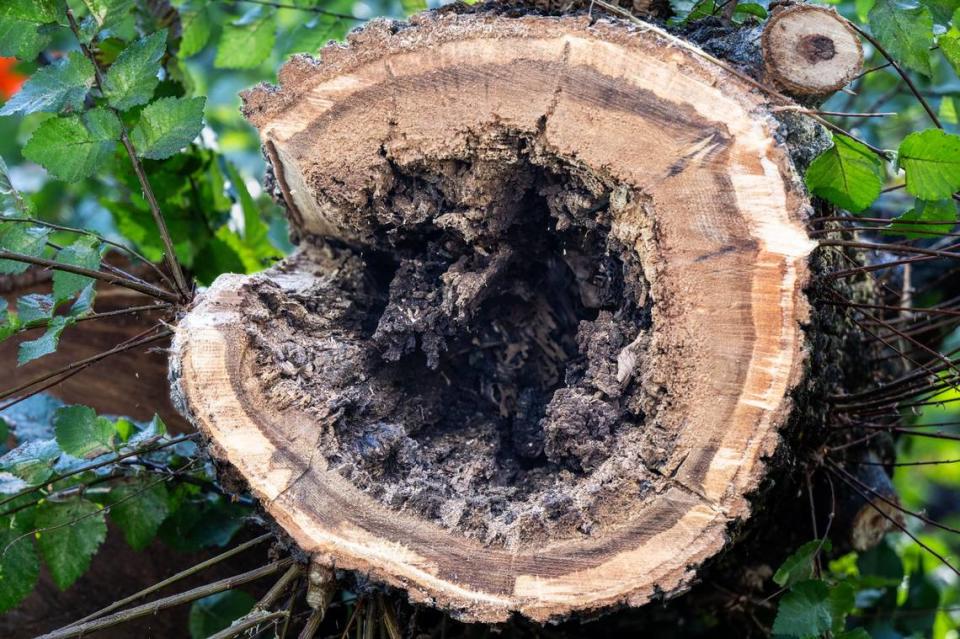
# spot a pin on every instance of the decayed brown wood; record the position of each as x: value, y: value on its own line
x: 715, y: 218
x: 810, y: 50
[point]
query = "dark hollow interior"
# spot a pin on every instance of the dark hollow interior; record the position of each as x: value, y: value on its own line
x: 486, y: 309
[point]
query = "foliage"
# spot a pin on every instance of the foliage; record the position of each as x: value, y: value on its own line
x: 155, y: 103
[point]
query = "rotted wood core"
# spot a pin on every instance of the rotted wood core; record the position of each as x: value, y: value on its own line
x: 810, y: 50
x: 543, y: 323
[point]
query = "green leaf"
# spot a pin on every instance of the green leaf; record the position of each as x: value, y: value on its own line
x: 74, y: 147
x: 82, y: 433
x: 752, y: 9
x: 248, y: 41
x: 950, y: 47
x: 856, y: 633
x: 799, y: 565
x: 32, y: 462
x: 197, y: 25
x: 931, y: 160
x: 842, y: 603
x: 168, y: 125
x: 413, y: 6
x: 35, y: 308
x: 848, y: 174
x: 19, y: 20
x: 138, y: 510
x: 46, y: 343
x: 905, y: 32
x: 942, y: 211
x: 941, y: 10
x: 106, y: 14
x: 21, y: 238
x: 805, y: 611
x: 212, y: 614
x: 62, y: 85
x: 70, y: 533
x: 948, y: 110
x: 19, y: 566
x: 84, y: 252
x: 134, y: 75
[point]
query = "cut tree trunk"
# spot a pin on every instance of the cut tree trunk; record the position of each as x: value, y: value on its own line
x: 541, y: 332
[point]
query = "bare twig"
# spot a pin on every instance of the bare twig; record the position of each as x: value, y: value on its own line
x: 179, y: 599
x: 169, y: 255
x: 119, y: 280
x: 183, y: 574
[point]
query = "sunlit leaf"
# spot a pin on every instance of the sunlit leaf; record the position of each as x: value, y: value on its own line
x: 248, y: 41
x: 905, y: 31
x: 848, y: 174
x: 168, y: 125
x: 74, y: 147
x: 931, y: 161
x: 61, y: 86
x: 82, y: 433
x: 135, y: 74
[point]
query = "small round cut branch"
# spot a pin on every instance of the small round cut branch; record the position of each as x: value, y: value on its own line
x: 810, y: 51
x: 543, y: 323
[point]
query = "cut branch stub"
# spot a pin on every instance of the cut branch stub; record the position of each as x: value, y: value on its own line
x: 543, y: 323
x: 811, y: 51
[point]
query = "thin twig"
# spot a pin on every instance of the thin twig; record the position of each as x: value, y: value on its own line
x: 246, y: 623
x: 134, y: 342
x: 183, y: 574
x: 179, y: 599
x: 119, y: 280
x: 903, y: 74
x: 146, y: 308
x: 284, y: 5
x: 169, y: 255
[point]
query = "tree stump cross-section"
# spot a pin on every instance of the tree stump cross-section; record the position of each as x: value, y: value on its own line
x: 543, y: 323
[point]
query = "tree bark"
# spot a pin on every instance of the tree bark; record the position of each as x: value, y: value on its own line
x: 540, y: 337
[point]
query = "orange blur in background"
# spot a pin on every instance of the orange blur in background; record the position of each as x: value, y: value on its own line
x: 10, y: 80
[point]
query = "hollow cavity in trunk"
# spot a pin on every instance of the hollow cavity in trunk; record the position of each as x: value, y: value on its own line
x: 477, y: 356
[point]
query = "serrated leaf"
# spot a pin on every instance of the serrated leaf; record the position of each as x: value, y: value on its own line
x: 799, y: 565
x: 905, y: 32
x: 84, y: 302
x: 106, y: 14
x: 82, y: 433
x: 948, y: 110
x: 247, y: 42
x: 35, y: 308
x: 84, y: 252
x: 168, y: 125
x: 842, y: 603
x: 19, y: 566
x: 62, y: 85
x: 133, y: 77
x: 74, y: 147
x: 943, y: 212
x: 804, y: 611
x: 33, y: 461
x: 19, y: 22
x: 950, y: 47
x: 24, y: 239
x: 70, y: 534
x: 45, y: 344
x: 197, y: 25
x: 848, y: 174
x: 931, y: 161
x: 138, y: 509
x: 941, y: 9
x: 212, y: 614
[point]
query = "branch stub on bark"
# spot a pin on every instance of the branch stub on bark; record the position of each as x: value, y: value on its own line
x: 811, y: 51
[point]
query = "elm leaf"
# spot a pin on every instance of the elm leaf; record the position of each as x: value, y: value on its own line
x: 82, y: 433
x: 134, y: 75
x: 85, y: 253
x: 248, y: 41
x: 138, y: 509
x: 24, y: 239
x: 19, y: 22
x: 60, y: 86
x: 74, y: 147
x: 848, y: 174
x: 905, y: 32
x: 168, y: 125
x: 931, y: 161
x: 805, y: 611
x: 46, y: 343
x: 69, y: 535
